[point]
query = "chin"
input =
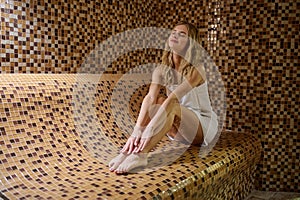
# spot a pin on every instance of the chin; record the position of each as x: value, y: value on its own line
x: 174, y: 49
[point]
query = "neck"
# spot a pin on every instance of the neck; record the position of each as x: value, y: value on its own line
x: 176, y: 60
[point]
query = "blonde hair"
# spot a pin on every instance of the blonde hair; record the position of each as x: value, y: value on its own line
x: 191, y: 58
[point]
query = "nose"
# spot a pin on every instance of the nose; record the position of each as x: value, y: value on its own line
x: 175, y: 35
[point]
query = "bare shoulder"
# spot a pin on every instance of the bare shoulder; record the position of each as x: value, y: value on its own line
x: 197, y: 76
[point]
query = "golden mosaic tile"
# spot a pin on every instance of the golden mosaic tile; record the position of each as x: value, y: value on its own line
x: 254, y: 44
x: 49, y: 150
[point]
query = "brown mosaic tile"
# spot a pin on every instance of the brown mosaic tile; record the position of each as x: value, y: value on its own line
x: 47, y: 37
x: 54, y: 150
x: 254, y: 44
x: 251, y: 43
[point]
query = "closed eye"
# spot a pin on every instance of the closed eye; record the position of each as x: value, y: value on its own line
x: 179, y: 33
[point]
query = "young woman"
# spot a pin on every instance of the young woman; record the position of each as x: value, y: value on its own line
x: 184, y: 115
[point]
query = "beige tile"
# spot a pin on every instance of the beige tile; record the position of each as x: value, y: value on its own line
x: 253, y: 198
x: 262, y: 194
x: 286, y: 196
x: 265, y: 195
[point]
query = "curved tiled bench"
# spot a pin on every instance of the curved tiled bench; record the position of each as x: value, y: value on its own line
x: 58, y: 133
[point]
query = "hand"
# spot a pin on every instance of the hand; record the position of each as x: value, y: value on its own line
x: 133, y: 141
x: 144, y: 140
x: 130, y: 145
x: 142, y: 144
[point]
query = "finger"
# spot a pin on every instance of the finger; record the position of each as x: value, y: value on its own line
x: 141, y: 144
x: 137, y: 140
x: 130, y: 148
x: 145, y: 143
x: 135, y: 149
x: 125, y: 148
x: 127, y: 145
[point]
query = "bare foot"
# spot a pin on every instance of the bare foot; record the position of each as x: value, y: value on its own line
x: 132, y: 161
x: 114, y: 163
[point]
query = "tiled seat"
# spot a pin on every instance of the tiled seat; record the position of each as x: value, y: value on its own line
x: 58, y: 132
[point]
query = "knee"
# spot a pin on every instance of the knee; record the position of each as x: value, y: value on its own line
x: 173, y: 106
x: 154, y: 108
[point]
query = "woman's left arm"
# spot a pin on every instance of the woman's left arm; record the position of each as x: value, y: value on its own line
x: 193, y: 80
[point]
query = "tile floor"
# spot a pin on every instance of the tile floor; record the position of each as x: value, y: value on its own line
x: 261, y: 195
x: 256, y: 195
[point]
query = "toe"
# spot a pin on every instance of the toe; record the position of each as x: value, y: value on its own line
x: 119, y: 170
x: 114, y: 167
x: 111, y: 163
x: 111, y: 169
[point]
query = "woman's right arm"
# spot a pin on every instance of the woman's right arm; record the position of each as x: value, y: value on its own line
x: 149, y: 100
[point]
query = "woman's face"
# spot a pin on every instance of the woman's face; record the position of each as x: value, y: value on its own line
x: 178, y: 40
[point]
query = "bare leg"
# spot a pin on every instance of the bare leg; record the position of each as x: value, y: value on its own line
x: 114, y: 163
x: 190, y: 129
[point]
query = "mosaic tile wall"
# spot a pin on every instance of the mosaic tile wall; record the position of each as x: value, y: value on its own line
x: 56, y: 36
x: 255, y: 44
